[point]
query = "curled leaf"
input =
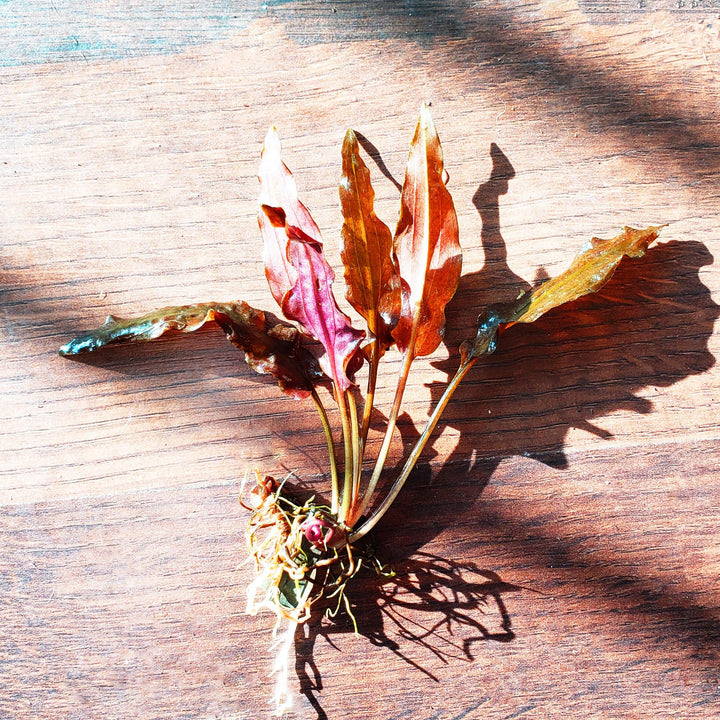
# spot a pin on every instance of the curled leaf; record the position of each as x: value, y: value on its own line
x: 278, y: 189
x: 485, y: 342
x: 270, y: 347
x: 371, y: 275
x: 299, y: 276
x: 311, y: 303
x: 426, y: 244
x: 589, y: 271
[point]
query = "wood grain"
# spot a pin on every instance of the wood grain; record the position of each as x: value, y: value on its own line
x: 556, y: 551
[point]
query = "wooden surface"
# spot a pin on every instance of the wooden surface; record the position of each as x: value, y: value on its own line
x: 557, y: 551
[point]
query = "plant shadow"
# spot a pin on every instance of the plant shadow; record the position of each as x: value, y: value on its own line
x: 648, y: 327
x: 431, y: 603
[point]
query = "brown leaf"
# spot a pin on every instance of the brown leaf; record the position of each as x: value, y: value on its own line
x: 426, y: 244
x: 589, y: 271
x: 371, y: 276
x: 269, y: 347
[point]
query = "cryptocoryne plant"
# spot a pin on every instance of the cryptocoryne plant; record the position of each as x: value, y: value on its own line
x: 400, y: 285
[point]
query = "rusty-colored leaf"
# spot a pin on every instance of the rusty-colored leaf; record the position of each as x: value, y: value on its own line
x: 589, y: 271
x: 371, y: 276
x: 426, y: 244
x: 269, y: 346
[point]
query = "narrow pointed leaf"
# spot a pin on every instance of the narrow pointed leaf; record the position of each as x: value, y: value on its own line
x: 371, y: 276
x: 269, y: 347
x: 589, y: 271
x: 426, y: 244
x: 278, y: 189
x: 311, y: 303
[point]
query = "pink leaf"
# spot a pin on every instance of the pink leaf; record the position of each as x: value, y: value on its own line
x: 298, y: 274
x: 278, y: 190
x: 311, y: 303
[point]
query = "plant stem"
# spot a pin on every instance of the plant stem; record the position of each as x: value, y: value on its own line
x: 392, y: 420
x: 414, y: 455
x: 355, y: 438
x: 346, y: 499
x: 370, y: 394
x: 331, y: 450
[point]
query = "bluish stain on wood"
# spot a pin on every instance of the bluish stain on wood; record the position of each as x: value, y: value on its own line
x: 83, y: 30
x: 87, y: 30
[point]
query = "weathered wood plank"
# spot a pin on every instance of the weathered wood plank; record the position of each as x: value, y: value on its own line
x: 132, y: 603
x: 556, y: 551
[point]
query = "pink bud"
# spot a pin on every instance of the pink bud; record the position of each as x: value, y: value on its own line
x: 317, y: 531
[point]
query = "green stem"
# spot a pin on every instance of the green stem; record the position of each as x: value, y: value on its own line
x: 346, y: 499
x: 392, y: 421
x: 414, y: 455
x: 331, y: 450
x: 357, y: 456
x: 361, y: 439
x: 370, y: 394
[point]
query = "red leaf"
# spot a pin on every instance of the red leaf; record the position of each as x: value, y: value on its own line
x: 278, y: 189
x: 426, y: 244
x: 311, y: 303
x: 300, y: 278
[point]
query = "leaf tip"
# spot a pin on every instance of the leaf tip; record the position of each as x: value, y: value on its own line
x: 80, y: 344
x: 349, y: 152
x: 426, y: 116
x: 640, y: 240
x: 271, y: 143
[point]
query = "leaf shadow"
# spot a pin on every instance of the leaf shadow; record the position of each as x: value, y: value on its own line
x: 649, y: 326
